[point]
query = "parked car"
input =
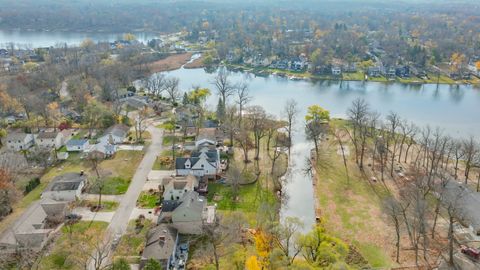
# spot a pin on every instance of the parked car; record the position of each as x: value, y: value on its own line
x: 72, y: 218
x: 472, y: 253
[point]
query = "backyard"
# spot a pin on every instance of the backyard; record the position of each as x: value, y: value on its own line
x: 71, y: 249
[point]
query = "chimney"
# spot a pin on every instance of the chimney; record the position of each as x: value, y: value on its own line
x: 161, y: 239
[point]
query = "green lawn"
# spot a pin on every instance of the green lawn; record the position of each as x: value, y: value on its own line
x: 116, y: 185
x: 351, y: 207
x: 168, y: 139
x: 107, y: 206
x: 65, y: 253
x: 147, y: 200
x: 357, y: 76
x: 250, y: 197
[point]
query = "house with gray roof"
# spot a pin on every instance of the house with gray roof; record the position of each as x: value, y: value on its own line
x: 161, y: 245
x: 115, y: 134
x: 197, y: 166
x: 189, y: 214
x: 175, y: 188
x: 76, y: 145
x: 18, y: 141
x: 66, y: 187
x: 49, y: 140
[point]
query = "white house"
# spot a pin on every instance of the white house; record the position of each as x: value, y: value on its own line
x: 115, y: 134
x: 66, y: 187
x: 195, y: 166
x: 19, y: 141
x: 50, y: 140
x: 177, y: 187
x: 78, y: 145
x: 336, y: 71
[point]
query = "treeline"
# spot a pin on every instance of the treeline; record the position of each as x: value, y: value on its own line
x: 419, y: 168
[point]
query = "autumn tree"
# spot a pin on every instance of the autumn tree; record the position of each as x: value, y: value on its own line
x: 320, y: 249
x: 316, y: 124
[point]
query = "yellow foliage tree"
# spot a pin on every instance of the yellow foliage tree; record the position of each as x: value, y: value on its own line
x: 129, y: 37
x: 263, y: 245
x: 477, y: 65
x: 252, y: 263
x: 456, y: 61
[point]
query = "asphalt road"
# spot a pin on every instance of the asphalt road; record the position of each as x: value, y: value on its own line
x: 119, y: 222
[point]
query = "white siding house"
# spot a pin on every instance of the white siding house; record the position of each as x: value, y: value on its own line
x: 66, y: 187
x: 50, y: 140
x: 78, y: 145
x: 19, y: 141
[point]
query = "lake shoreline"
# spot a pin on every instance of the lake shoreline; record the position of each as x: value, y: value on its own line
x: 305, y: 76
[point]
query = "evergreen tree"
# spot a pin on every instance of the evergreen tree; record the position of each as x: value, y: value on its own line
x: 185, y: 99
x: 220, y: 110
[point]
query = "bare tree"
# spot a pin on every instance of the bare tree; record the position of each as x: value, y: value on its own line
x: 156, y: 84
x: 173, y: 90
x: 230, y: 126
x: 140, y: 123
x: 471, y: 150
x: 394, y: 211
x: 290, y: 111
x: 235, y: 178
x: 358, y: 116
x: 223, y: 85
x: 245, y: 142
x: 393, y: 122
x: 243, y: 98
x: 257, y: 118
x: 284, y: 236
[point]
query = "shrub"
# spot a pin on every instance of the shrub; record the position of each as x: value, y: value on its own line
x: 32, y: 184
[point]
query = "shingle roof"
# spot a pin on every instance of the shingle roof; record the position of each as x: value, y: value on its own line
x: 75, y: 142
x: 161, y: 242
x: 118, y: 130
x: 16, y: 136
x: 47, y: 135
x: 180, y: 162
x: 68, y: 181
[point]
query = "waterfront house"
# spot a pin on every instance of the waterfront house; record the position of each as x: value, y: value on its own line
x: 374, y: 72
x: 336, y: 71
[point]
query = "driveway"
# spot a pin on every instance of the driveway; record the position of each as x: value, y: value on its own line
x: 129, y: 147
x: 88, y: 215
